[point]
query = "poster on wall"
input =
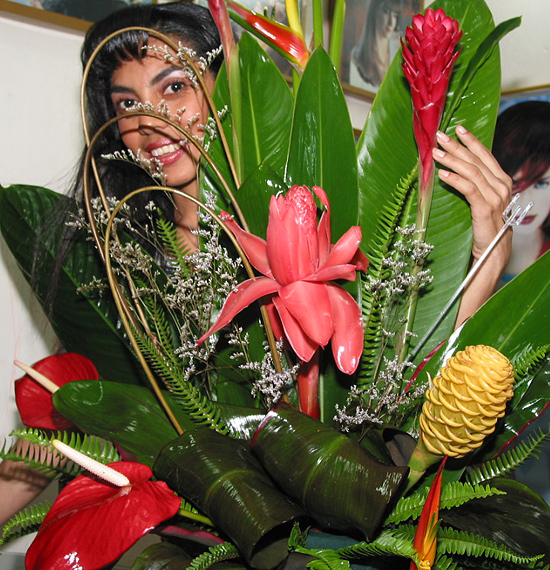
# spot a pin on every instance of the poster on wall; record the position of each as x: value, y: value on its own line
x: 522, y: 147
x: 63, y: 12
x: 372, y: 33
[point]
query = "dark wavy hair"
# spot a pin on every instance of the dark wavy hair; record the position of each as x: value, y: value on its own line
x: 522, y: 144
x: 184, y: 22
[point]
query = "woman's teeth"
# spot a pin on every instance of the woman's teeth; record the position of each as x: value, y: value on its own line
x: 166, y: 149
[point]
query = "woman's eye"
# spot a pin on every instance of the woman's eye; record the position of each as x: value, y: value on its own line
x: 125, y: 105
x: 544, y: 183
x: 176, y: 87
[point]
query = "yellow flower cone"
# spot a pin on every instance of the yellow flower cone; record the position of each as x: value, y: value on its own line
x: 462, y: 405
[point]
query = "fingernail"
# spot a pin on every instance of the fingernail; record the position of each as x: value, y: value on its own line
x: 439, y: 153
x: 443, y: 137
x: 443, y: 173
x: 461, y: 130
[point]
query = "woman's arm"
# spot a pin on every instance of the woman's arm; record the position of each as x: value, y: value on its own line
x: 472, y: 170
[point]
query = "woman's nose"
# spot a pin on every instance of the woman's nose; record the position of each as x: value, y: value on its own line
x: 147, y: 123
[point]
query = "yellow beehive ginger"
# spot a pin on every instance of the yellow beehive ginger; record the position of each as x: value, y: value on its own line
x: 465, y: 401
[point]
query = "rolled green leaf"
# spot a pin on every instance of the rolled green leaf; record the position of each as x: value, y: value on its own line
x: 334, y: 479
x: 221, y: 477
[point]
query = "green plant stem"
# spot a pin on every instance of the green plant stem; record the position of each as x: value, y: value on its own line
x: 195, y: 517
x: 337, y: 34
x: 425, y: 196
x: 318, y: 22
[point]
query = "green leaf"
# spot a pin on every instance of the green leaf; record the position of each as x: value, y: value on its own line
x: 85, y: 323
x: 305, y: 457
x: 220, y: 476
x: 387, y: 153
x: 322, y: 148
x: 163, y: 556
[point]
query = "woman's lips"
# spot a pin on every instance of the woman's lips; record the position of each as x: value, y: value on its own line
x: 527, y: 220
x: 166, y: 153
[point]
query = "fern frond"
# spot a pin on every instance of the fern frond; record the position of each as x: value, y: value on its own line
x: 452, y: 495
x: 444, y: 563
x: 33, y: 447
x: 380, y: 245
x: 390, y: 542
x: 24, y: 522
x: 201, y: 409
x: 327, y: 560
x: 218, y: 553
x: 509, y: 460
x: 528, y: 360
x: 457, y: 542
x: 173, y: 245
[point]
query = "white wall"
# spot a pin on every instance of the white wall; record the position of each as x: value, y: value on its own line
x: 41, y: 140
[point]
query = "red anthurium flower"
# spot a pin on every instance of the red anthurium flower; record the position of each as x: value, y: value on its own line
x: 429, y: 55
x: 92, y: 523
x: 425, y: 539
x: 282, y: 38
x: 298, y: 264
x: 35, y: 402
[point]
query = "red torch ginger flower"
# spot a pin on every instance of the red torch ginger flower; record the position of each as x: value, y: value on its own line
x: 298, y: 264
x: 34, y: 402
x: 92, y: 523
x: 429, y: 56
x: 288, y: 42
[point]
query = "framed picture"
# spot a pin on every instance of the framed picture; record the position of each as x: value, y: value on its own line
x: 522, y: 147
x: 372, y: 32
x: 76, y: 14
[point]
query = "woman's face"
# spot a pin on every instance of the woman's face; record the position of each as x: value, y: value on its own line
x: 539, y: 194
x: 155, y: 80
x: 387, y: 18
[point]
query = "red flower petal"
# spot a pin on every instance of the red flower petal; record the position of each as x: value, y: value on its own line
x: 92, y: 523
x: 35, y: 402
x: 239, y: 299
x: 347, y: 339
x: 309, y: 304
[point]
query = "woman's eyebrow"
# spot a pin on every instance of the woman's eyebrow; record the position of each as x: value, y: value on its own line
x: 156, y: 79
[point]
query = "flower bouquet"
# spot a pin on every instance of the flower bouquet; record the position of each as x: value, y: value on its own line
x: 279, y: 398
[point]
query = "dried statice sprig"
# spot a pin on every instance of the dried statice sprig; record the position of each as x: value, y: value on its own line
x: 270, y: 384
x: 381, y: 402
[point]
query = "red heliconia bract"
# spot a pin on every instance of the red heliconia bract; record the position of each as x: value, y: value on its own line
x: 429, y: 56
x: 35, y: 402
x: 93, y: 523
x: 285, y: 40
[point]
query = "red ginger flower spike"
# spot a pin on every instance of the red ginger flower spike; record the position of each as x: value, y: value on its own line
x: 298, y: 264
x: 92, y: 523
x: 285, y: 40
x: 425, y: 539
x: 429, y: 56
x: 34, y: 402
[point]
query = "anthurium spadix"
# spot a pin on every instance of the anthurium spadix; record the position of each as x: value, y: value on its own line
x: 288, y: 42
x: 298, y: 266
x: 93, y: 522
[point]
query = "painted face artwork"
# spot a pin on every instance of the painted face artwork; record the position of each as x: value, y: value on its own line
x: 159, y: 82
x: 539, y: 194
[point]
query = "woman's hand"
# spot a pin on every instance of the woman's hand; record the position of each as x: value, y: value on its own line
x: 471, y: 169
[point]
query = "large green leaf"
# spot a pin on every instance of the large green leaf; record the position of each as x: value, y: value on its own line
x: 306, y: 458
x: 387, y: 153
x: 322, y: 148
x: 87, y: 323
x: 220, y: 476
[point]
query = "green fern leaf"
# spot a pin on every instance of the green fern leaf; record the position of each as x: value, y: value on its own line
x: 509, y: 460
x: 444, y: 563
x: 390, y: 542
x: 451, y: 541
x: 452, y: 495
x: 24, y: 522
x: 379, y: 248
x: 218, y: 553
